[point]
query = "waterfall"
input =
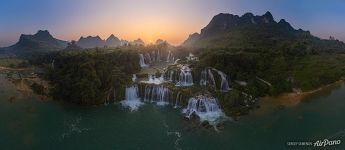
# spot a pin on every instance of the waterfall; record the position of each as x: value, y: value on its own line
x: 152, y: 79
x: 224, y: 85
x: 186, y: 78
x: 153, y: 56
x: 156, y: 94
x: 148, y: 57
x: 158, y: 56
x: 207, y: 78
x: 134, y: 78
x: 176, y: 61
x: 142, y: 61
x: 191, y: 57
x: 171, y: 75
x: 210, y: 74
x: 132, y: 100
x: 203, y: 78
x: 52, y: 64
x: 206, y: 108
x: 170, y: 57
x: 178, y: 99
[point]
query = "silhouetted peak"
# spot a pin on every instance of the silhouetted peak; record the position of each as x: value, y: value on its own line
x: 112, y: 41
x: 90, y: 38
x: 248, y: 15
x: 43, y: 34
x: 285, y: 24
x: 268, y: 17
x: 112, y: 36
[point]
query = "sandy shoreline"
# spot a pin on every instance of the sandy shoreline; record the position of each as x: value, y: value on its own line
x: 292, y: 99
x: 15, y: 69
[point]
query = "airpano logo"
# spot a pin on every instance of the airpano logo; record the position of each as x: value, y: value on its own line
x: 326, y: 142
x: 318, y: 143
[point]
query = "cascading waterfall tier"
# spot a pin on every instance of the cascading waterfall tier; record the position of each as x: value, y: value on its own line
x: 170, y: 57
x: 224, y: 86
x: 152, y: 79
x: 134, y: 78
x: 207, y: 78
x: 132, y: 100
x: 142, y: 61
x: 157, y: 94
x: 178, y: 100
x: 176, y: 61
x: 171, y: 76
x: 148, y: 57
x: 206, y: 108
x: 186, y: 78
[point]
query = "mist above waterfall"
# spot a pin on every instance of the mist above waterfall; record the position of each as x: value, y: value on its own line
x: 204, y: 107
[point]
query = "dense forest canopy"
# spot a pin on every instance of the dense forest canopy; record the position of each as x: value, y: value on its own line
x: 87, y: 77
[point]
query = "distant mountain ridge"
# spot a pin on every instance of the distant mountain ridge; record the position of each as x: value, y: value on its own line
x: 40, y: 42
x: 250, y: 31
x: 96, y: 41
x: 112, y: 41
x: 90, y: 42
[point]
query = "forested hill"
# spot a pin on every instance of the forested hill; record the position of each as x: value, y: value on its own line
x: 90, y: 76
x: 30, y: 46
x: 259, y: 33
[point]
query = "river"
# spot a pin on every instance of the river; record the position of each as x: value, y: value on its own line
x: 29, y: 123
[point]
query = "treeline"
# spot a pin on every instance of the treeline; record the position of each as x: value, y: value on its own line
x: 289, y: 67
x: 91, y: 76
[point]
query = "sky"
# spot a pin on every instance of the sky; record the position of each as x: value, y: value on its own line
x: 171, y: 20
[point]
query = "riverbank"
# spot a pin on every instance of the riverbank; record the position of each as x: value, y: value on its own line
x: 15, y: 69
x: 24, y: 86
x: 294, y: 98
x: 24, y: 79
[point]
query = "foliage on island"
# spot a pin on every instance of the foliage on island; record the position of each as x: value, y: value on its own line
x: 87, y: 77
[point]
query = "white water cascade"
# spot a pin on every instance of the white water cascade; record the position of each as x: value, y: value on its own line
x: 176, y: 61
x: 153, y: 56
x: 170, y: 57
x: 206, y: 108
x: 158, y: 56
x: 152, y: 79
x: 134, y: 78
x: 148, y: 57
x: 142, y: 61
x: 157, y: 94
x: 178, y: 99
x: 186, y: 78
x: 53, y: 63
x: 132, y: 100
x: 171, y: 76
x: 224, y: 85
x: 207, y: 78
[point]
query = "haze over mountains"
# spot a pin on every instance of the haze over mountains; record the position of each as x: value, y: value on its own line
x: 224, y: 31
x: 44, y: 42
